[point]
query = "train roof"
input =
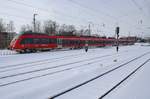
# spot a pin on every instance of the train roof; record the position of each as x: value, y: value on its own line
x: 33, y: 33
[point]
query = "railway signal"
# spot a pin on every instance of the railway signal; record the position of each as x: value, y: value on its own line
x: 117, y: 32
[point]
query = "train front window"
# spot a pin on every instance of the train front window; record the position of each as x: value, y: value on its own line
x: 27, y: 41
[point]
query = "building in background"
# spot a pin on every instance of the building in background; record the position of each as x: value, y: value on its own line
x: 5, y: 39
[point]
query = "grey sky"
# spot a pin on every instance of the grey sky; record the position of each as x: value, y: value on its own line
x: 104, y: 15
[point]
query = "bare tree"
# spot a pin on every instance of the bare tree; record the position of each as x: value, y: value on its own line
x: 67, y: 29
x: 25, y: 28
x: 62, y: 28
x: 2, y: 26
x: 10, y: 26
x: 71, y: 28
x: 50, y: 27
x: 38, y: 26
x: 80, y: 32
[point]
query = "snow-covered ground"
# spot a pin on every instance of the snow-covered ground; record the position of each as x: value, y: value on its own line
x: 7, y: 52
x: 47, y: 74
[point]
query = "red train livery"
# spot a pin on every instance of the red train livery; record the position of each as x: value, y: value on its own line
x: 32, y: 42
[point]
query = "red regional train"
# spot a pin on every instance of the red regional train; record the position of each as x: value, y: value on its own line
x: 32, y: 42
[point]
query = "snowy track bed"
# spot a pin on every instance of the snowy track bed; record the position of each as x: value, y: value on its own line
x: 17, y: 75
x: 69, y: 74
x: 122, y: 72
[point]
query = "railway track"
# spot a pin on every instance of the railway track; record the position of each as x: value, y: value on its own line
x: 44, y: 61
x: 103, y: 74
x: 123, y: 80
x: 51, y: 73
x: 93, y: 60
x: 28, y: 63
x: 50, y: 83
x: 9, y: 52
x: 39, y: 62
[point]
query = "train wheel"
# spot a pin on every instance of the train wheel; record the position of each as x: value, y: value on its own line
x: 24, y: 51
x: 34, y: 50
x: 27, y: 50
x: 20, y: 52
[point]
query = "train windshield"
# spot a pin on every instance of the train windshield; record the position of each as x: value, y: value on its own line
x: 17, y: 36
x: 14, y: 39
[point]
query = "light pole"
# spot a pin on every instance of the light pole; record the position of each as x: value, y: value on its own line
x: 34, y: 25
x: 90, y: 28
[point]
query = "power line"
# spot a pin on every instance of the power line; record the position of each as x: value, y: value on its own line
x: 28, y: 5
x: 92, y: 9
x: 56, y: 12
x: 96, y: 11
x: 138, y: 6
x: 21, y: 17
x: 90, y: 15
x: 147, y: 3
x: 46, y: 10
x: 69, y: 17
x: 12, y: 8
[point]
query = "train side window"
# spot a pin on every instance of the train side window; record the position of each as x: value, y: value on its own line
x: 44, y: 40
x: 63, y: 41
x: 83, y: 42
x: 72, y: 42
x: 52, y: 40
x: 36, y: 41
x: 67, y: 42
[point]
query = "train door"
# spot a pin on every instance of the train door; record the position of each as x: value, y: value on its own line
x: 59, y: 43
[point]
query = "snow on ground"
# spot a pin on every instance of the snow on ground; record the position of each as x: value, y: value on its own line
x: 6, y: 52
x: 98, y: 87
x: 42, y: 75
x: 137, y: 87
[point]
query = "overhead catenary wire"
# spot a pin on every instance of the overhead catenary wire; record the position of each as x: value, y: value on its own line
x: 46, y: 10
x: 70, y: 18
x: 92, y: 9
x: 104, y: 14
x: 56, y: 12
x: 22, y: 17
x: 137, y: 5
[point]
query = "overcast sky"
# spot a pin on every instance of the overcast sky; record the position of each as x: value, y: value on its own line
x: 132, y: 16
